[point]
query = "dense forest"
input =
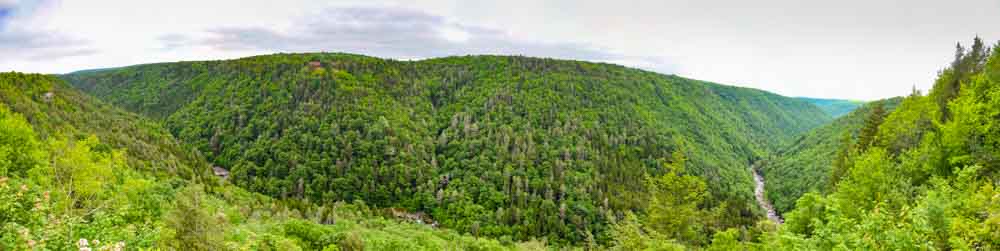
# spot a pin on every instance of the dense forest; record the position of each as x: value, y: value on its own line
x: 76, y: 173
x: 507, y: 147
x: 805, y: 164
x: 333, y: 151
x: 920, y: 176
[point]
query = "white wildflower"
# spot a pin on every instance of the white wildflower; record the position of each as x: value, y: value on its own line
x: 119, y: 246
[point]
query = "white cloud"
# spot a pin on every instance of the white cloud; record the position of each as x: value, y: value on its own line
x: 454, y: 35
x: 22, y: 39
x: 20, y: 44
x: 395, y: 33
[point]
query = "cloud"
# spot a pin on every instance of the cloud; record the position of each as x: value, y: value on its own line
x: 21, y: 39
x: 396, y: 33
x: 174, y: 41
x: 40, y: 46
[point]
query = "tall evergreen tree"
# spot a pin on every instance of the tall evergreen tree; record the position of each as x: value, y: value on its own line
x: 193, y: 228
x: 841, y: 162
x: 868, y: 134
x: 965, y: 65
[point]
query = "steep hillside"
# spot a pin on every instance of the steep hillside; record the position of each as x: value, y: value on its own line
x: 500, y: 146
x: 835, y: 107
x: 804, y: 165
x: 56, y: 110
x: 73, y: 168
x: 923, y: 177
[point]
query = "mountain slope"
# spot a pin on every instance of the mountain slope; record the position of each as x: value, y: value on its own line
x: 804, y: 165
x: 514, y: 146
x: 921, y: 178
x: 834, y: 107
x: 72, y: 168
x: 56, y: 109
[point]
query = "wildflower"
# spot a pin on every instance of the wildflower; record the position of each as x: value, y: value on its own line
x: 82, y: 243
x: 118, y: 246
x: 96, y: 242
x: 46, y: 195
x: 24, y: 188
x: 31, y: 243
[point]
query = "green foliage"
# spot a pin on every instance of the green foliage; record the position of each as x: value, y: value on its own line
x: 676, y: 214
x: 57, y: 111
x: 869, y: 185
x: 69, y: 189
x: 19, y: 150
x: 818, y: 159
x: 25, y: 217
x: 352, y: 243
x: 515, y: 146
x: 726, y: 240
x: 83, y: 169
x: 807, y: 216
x: 841, y: 162
x: 630, y: 234
x: 191, y: 226
x: 923, y: 179
x: 868, y: 133
x: 906, y: 125
x: 950, y: 81
x: 676, y: 201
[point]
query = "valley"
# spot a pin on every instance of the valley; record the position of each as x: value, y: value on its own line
x: 338, y: 151
x: 548, y: 147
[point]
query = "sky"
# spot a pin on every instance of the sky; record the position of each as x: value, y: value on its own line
x: 846, y: 49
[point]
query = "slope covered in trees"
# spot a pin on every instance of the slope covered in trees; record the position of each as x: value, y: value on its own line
x: 920, y: 176
x: 57, y: 110
x: 805, y: 164
x: 923, y: 177
x: 835, y: 107
x: 74, y: 168
x: 498, y: 146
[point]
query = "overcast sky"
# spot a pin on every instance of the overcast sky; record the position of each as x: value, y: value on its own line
x: 854, y: 49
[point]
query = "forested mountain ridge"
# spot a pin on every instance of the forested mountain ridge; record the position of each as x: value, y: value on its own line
x: 912, y: 173
x: 835, y: 107
x: 805, y: 164
x: 76, y: 173
x: 493, y: 145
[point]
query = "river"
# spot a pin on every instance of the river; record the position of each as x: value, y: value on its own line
x: 758, y: 192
